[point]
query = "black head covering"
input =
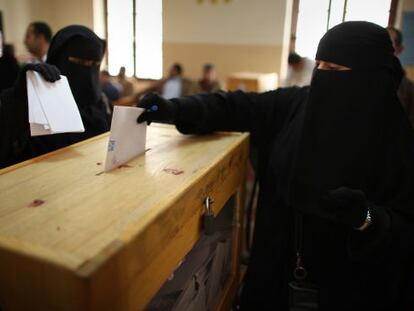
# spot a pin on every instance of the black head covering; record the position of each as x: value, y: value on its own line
x: 356, y: 44
x: 66, y: 33
x: 355, y: 133
x: 360, y: 46
x: 81, y: 43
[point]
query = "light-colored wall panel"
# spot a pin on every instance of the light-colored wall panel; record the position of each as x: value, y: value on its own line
x: 407, y: 5
x: 72, y: 12
x: 16, y: 15
x: 238, y: 22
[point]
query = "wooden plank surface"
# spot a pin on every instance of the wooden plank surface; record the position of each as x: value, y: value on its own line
x: 89, y: 222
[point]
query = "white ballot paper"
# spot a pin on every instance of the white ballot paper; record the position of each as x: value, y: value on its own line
x: 52, y: 108
x: 127, y: 137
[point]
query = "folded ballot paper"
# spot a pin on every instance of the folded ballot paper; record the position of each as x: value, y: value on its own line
x: 127, y: 137
x: 52, y: 108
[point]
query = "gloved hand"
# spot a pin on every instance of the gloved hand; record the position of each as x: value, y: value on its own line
x: 157, y: 109
x: 346, y: 206
x: 49, y: 72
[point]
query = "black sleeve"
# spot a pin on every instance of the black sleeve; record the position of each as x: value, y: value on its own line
x: 14, y: 128
x: 261, y: 114
x: 391, y: 231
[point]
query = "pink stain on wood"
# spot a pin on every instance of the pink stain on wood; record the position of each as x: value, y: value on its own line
x: 173, y: 171
x: 36, y: 203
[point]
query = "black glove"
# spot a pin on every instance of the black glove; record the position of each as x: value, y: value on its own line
x: 49, y: 72
x: 346, y: 206
x: 157, y: 109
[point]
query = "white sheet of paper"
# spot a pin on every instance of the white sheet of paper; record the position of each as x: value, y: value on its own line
x: 127, y: 138
x: 37, y: 118
x: 36, y: 114
x: 52, y: 108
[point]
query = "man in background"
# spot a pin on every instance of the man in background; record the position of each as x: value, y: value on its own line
x: 172, y: 86
x: 110, y: 88
x: 406, y: 89
x: 127, y: 86
x: 37, y: 40
x: 175, y: 84
x: 208, y: 82
x: 299, y: 71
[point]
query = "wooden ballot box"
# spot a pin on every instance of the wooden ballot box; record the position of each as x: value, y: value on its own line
x: 74, y: 238
x: 252, y: 81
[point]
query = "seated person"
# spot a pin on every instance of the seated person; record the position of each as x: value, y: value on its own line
x: 208, y: 82
x: 111, y: 89
x: 174, y: 85
x: 127, y: 86
x: 299, y: 70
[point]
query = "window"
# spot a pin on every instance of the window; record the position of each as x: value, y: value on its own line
x: 135, y: 37
x: 120, y: 36
x: 315, y: 17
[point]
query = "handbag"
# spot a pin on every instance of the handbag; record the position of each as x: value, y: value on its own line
x: 303, y: 294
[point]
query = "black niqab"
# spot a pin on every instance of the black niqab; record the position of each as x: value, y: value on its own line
x: 83, y: 80
x: 355, y: 132
x: 356, y: 135
x: 79, y: 42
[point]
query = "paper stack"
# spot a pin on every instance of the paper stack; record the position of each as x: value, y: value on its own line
x: 52, y: 108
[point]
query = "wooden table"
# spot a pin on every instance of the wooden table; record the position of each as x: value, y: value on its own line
x: 74, y: 238
x: 252, y: 81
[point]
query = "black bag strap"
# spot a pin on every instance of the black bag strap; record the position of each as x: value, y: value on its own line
x: 299, y: 271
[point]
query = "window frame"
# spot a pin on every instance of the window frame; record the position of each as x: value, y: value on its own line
x: 295, y: 15
x: 134, y: 14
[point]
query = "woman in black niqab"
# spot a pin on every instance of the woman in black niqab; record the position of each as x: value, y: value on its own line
x: 77, y: 51
x: 327, y: 154
x: 356, y: 154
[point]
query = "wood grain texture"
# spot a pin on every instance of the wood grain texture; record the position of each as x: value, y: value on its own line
x: 108, y: 241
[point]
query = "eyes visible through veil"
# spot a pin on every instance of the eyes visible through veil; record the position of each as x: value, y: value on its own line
x: 84, y: 62
x: 323, y: 65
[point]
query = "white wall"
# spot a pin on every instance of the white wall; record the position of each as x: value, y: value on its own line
x: 18, y: 14
x: 237, y: 22
x: 242, y: 35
